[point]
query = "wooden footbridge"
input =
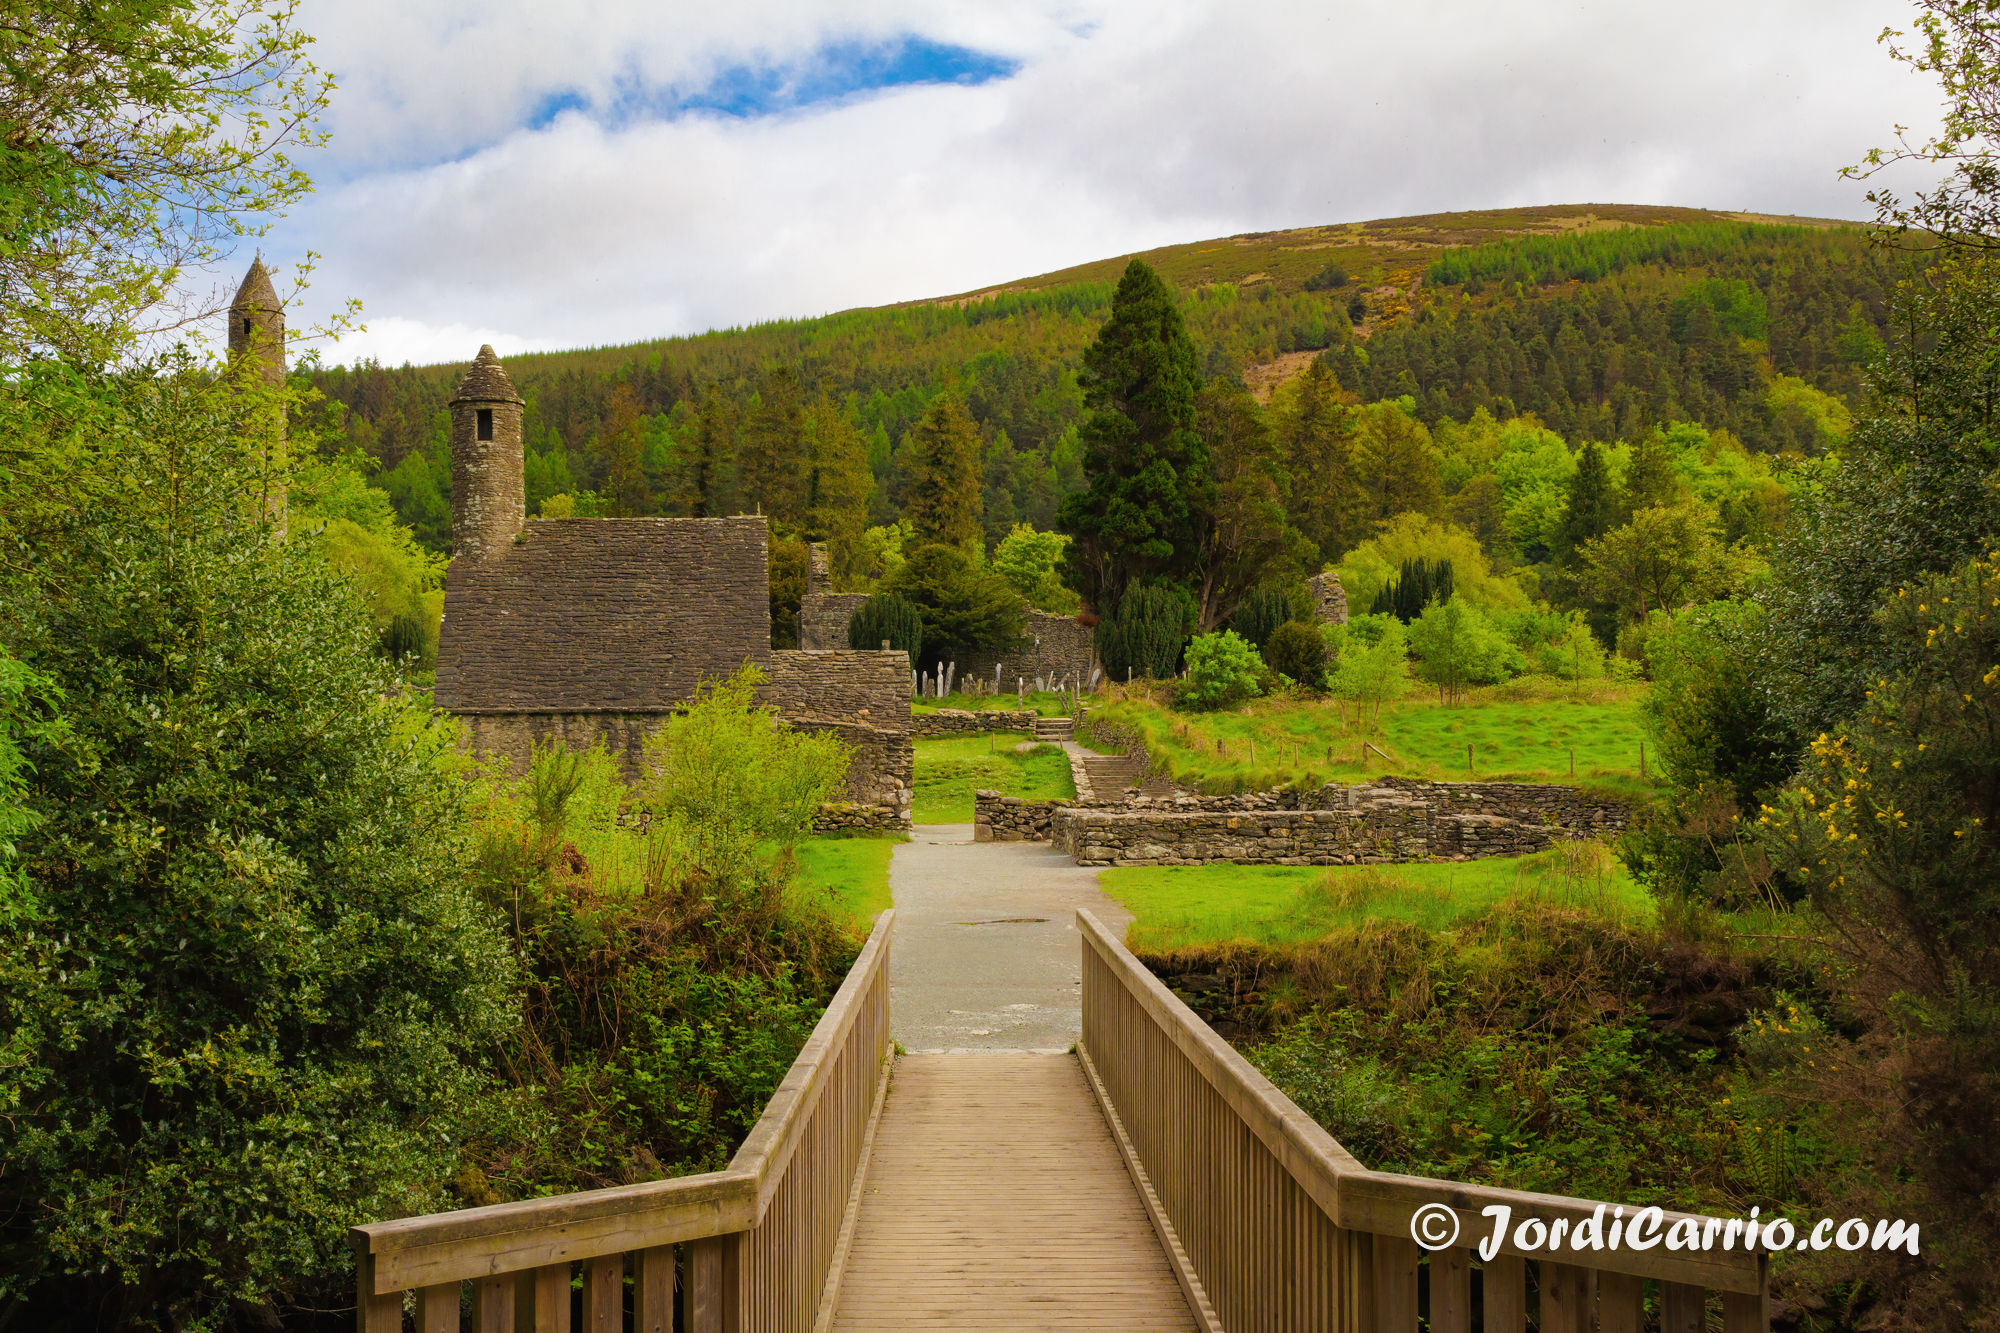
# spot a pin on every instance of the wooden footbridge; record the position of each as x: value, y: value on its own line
x: 1151, y: 1181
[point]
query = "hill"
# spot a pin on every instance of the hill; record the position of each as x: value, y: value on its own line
x: 1603, y: 321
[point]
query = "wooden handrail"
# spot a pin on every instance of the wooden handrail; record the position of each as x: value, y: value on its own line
x: 823, y: 1107
x: 1280, y: 1227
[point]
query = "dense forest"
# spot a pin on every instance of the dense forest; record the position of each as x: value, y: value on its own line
x: 1602, y: 323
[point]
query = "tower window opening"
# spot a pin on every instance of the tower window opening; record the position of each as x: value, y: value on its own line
x: 246, y: 328
x: 484, y: 426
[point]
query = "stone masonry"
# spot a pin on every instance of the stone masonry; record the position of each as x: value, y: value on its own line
x: 970, y: 722
x: 592, y: 630
x: 1329, y: 598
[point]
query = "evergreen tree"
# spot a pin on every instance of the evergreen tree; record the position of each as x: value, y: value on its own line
x: 1245, y: 533
x: 941, y: 456
x: 1397, y: 463
x: 622, y: 445
x: 1649, y: 477
x: 1592, y: 507
x: 838, y: 486
x: 1145, y: 466
x: 1326, y: 503
x: 705, y: 486
x: 772, y: 454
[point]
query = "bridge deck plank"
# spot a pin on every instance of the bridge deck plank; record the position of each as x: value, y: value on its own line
x: 996, y: 1199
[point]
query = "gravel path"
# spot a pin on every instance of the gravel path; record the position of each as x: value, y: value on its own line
x: 986, y: 954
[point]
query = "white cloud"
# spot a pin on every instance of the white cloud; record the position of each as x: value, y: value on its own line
x: 1128, y: 125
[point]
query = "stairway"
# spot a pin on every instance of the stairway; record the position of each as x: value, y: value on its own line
x: 1055, y: 730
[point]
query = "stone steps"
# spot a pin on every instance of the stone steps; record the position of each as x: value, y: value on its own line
x: 1055, y: 729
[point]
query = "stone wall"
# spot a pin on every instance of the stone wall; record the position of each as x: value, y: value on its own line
x: 1329, y: 598
x: 1054, y: 648
x: 824, y: 613
x: 513, y: 736
x: 1396, y: 820
x: 863, y: 697
x: 997, y: 818
x: 965, y: 721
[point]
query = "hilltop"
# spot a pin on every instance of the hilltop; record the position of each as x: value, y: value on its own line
x: 1601, y: 320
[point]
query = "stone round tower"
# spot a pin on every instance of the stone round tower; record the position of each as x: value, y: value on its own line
x: 488, y: 491
x: 257, y: 325
x: 257, y: 356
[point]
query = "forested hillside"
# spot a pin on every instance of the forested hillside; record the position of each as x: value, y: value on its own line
x: 1603, y: 322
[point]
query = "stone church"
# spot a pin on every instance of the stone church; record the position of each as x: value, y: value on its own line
x: 597, y: 629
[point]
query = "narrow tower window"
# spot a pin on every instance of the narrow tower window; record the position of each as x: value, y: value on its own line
x: 246, y: 328
x: 484, y: 427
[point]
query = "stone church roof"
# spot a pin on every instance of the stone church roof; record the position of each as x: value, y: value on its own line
x: 256, y: 293
x: 603, y: 614
x: 485, y: 381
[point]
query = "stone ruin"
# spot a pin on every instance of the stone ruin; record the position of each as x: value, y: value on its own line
x: 1329, y: 598
x: 599, y: 629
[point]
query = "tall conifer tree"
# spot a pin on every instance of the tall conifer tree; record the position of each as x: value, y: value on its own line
x: 1592, y: 509
x: 1145, y: 467
x: 837, y: 486
x: 942, y: 499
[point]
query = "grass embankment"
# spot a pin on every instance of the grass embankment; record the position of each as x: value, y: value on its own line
x: 1046, y: 703
x: 851, y: 870
x: 951, y: 768
x: 1179, y: 906
x: 1529, y: 730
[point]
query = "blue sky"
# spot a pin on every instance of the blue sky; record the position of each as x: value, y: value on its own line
x: 543, y: 176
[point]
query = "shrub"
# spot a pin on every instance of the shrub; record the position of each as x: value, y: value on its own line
x: 1373, y: 667
x: 1144, y: 638
x: 887, y: 616
x: 1297, y: 650
x: 1222, y: 670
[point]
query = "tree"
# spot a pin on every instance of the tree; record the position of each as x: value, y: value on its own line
x: 1245, y: 535
x: 966, y: 610
x: 838, y: 484
x: 941, y: 454
x: 1592, y: 507
x: 1666, y: 557
x: 1371, y: 671
x: 1032, y: 561
x: 1268, y: 606
x: 887, y: 618
x: 1317, y: 430
x: 1144, y: 464
x: 1457, y: 646
x: 621, y: 444
x: 1145, y: 637
x: 705, y: 486
x: 248, y: 1002
x: 1396, y: 462
x: 771, y: 463
x: 142, y: 139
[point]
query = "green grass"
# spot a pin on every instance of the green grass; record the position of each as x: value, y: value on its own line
x: 951, y: 768
x: 850, y: 868
x: 1527, y: 731
x: 1177, y: 906
x: 1047, y: 703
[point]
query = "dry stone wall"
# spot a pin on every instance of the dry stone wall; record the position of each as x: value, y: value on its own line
x: 967, y: 722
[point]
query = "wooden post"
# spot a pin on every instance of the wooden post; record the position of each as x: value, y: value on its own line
x: 653, y: 1290
x: 1683, y: 1309
x: 1572, y: 761
x: 1395, y: 1282
x: 1565, y: 1298
x: 604, y: 1294
x: 493, y: 1304
x: 1468, y: 761
x: 380, y: 1314
x: 1503, y: 1292
x: 1451, y: 1291
x: 1642, y: 760
x: 1621, y: 1303
x: 541, y: 1302
x: 437, y: 1308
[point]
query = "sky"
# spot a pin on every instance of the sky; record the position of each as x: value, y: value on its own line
x: 538, y: 176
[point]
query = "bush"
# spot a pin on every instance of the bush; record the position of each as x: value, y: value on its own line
x: 887, y: 616
x: 1373, y: 667
x: 1222, y: 670
x: 247, y: 1001
x: 1144, y: 638
x: 1267, y: 607
x: 1297, y: 650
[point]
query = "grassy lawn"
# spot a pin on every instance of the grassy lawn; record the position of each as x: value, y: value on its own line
x: 852, y: 869
x: 1177, y: 906
x: 951, y: 768
x: 1528, y: 731
x: 1047, y: 703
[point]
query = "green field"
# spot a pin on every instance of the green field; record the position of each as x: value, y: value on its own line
x: 951, y: 768
x: 1177, y: 906
x: 851, y: 869
x: 1528, y: 731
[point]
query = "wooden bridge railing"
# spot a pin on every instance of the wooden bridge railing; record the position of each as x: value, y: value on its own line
x: 758, y: 1240
x: 1272, y: 1225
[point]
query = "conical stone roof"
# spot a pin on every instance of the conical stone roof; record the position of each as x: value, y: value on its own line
x: 485, y: 381
x: 256, y: 293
